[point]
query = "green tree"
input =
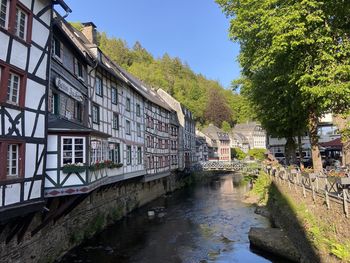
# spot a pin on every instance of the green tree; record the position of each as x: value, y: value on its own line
x: 304, y: 44
x: 258, y: 154
x: 225, y: 126
x: 238, y: 154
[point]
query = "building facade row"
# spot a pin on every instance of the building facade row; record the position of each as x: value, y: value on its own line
x: 71, y: 119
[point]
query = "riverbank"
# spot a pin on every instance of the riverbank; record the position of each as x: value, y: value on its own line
x: 204, y: 222
x: 89, y: 215
x: 319, y: 234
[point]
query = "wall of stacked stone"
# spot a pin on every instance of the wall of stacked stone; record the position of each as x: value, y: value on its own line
x: 99, y: 209
x: 333, y: 216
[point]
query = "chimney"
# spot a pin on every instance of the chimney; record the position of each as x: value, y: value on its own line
x: 89, y: 31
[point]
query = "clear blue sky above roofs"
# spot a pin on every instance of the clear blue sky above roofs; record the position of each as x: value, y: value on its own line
x: 196, y: 31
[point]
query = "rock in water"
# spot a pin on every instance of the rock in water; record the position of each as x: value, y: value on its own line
x: 274, y: 241
x: 151, y: 213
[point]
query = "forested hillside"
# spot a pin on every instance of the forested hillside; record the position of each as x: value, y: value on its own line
x: 207, y: 99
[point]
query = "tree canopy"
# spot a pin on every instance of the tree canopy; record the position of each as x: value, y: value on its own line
x: 295, y: 58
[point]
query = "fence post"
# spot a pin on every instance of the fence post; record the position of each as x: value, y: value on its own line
x: 345, y: 197
x: 327, y: 199
x: 313, y: 191
x: 304, y: 193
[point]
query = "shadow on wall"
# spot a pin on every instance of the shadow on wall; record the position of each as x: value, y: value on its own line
x: 284, y: 216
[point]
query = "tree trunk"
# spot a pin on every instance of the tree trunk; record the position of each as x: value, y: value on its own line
x: 290, y: 148
x: 315, y: 150
x: 300, y: 149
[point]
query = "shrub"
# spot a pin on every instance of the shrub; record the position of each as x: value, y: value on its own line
x: 258, y: 154
x: 238, y: 154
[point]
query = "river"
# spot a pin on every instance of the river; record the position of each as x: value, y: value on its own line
x: 207, y: 222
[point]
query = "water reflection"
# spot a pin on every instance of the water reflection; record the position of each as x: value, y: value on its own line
x: 205, y: 223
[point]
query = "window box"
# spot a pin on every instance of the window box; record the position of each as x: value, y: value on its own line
x: 111, y: 165
x: 98, y: 166
x: 73, y: 168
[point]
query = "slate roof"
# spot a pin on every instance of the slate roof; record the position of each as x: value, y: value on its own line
x: 215, y: 133
x: 60, y: 124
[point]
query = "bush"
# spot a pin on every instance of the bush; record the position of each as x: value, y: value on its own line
x: 257, y: 154
x: 238, y: 154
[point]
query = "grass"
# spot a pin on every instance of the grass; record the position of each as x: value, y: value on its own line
x: 261, y: 188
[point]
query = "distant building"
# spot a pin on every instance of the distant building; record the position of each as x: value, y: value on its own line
x: 253, y: 132
x: 238, y: 140
x: 327, y: 132
x: 218, y: 142
x: 201, y: 149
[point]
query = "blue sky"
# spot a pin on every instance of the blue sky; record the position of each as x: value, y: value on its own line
x: 196, y: 31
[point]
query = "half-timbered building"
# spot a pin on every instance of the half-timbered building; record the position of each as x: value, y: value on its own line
x: 187, y: 136
x: 157, y: 134
x: 69, y: 133
x: 116, y: 109
x: 174, y: 140
x: 25, y: 46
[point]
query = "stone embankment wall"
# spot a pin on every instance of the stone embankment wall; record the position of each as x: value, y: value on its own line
x: 95, y: 212
x: 318, y: 232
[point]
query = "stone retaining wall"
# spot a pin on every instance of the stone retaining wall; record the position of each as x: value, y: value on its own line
x: 94, y: 213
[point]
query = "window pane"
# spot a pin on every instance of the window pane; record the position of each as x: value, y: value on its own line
x: 3, y: 13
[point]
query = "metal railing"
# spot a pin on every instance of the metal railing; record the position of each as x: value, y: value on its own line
x: 331, y: 188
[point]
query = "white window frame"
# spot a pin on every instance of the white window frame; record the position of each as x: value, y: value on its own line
x: 80, y: 74
x: 138, y: 129
x: 73, y: 149
x: 115, y: 121
x: 114, y: 95
x: 127, y: 127
x: 114, y: 154
x: 10, y: 160
x: 6, y: 13
x: 138, y: 110
x: 139, y: 155
x: 100, y: 152
x: 56, y: 45
x: 18, y: 23
x: 128, y: 154
x: 97, y: 114
x: 10, y: 88
x: 99, y: 87
x: 128, y: 104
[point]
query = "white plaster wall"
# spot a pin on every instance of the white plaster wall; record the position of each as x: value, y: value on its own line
x: 19, y: 55
x: 53, y: 176
x: 40, y: 33
x: 30, y: 160
x: 73, y: 179
x: 34, y: 91
x: 52, y: 143
x: 40, y: 128
x: 27, y: 3
x: 51, y: 161
x: 3, y: 45
x: 12, y: 194
x: 36, y: 191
